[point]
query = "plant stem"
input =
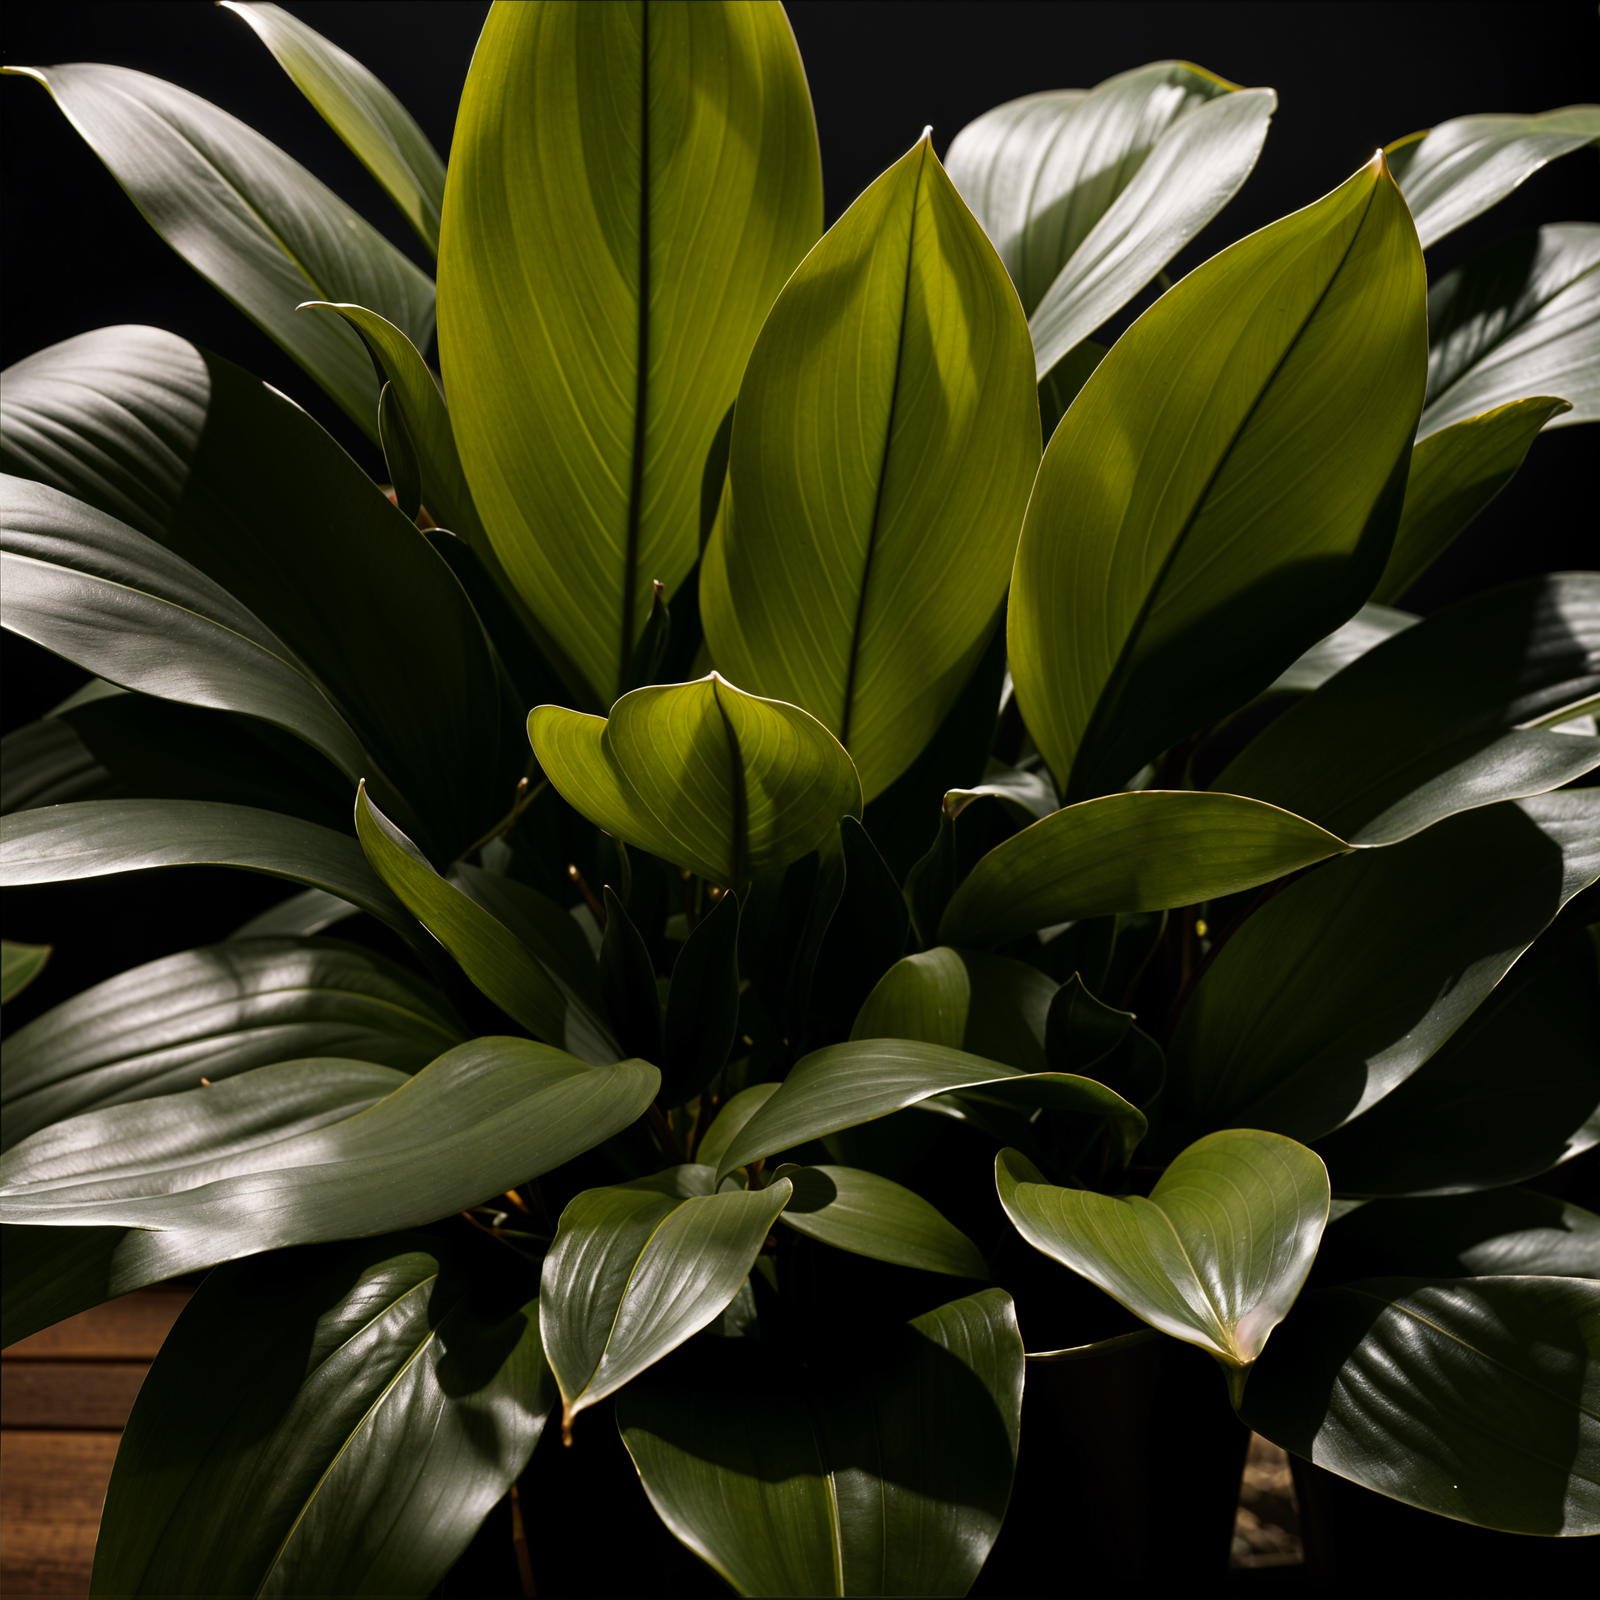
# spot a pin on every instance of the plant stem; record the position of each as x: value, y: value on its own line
x: 519, y: 1543
x: 525, y: 796
x: 664, y: 1132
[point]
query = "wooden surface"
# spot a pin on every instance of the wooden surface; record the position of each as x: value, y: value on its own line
x: 65, y: 1395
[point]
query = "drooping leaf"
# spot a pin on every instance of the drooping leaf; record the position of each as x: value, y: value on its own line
x: 886, y: 429
x: 1141, y: 851
x: 701, y: 774
x: 637, y: 1268
x: 1474, y: 1398
x: 209, y: 1014
x: 629, y: 188
x: 1214, y: 1257
x: 1520, y: 319
x: 248, y: 219
x: 702, y: 1015
x: 1436, y: 719
x: 486, y: 1115
x: 860, y: 1081
x: 383, y: 135
x: 300, y: 916
x: 162, y: 435
x: 1338, y: 988
x: 1369, y: 627
x: 1276, y: 385
x: 20, y: 964
x: 889, y: 1476
x: 1456, y: 171
x: 334, y: 1420
x: 1087, y: 195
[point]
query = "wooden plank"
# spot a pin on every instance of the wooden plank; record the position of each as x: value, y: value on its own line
x: 129, y: 1329
x: 52, y: 1485
x: 86, y: 1394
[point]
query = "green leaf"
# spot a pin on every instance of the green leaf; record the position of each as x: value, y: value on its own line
x: 855, y: 1478
x: 1088, y: 195
x: 20, y: 964
x: 298, y: 917
x: 1338, y: 988
x: 702, y: 1017
x: 628, y: 982
x: 1521, y: 318
x: 335, y: 1420
x: 1142, y: 851
x: 1455, y: 473
x: 486, y: 1115
x: 95, y: 838
x: 399, y: 454
x: 1474, y: 1398
x: 212, y: 1013
x: 379, y: 130
x: 1456, y: 171
x: 637, y: 182
x: 886, y: 434
x: 701, y: 774
x: 730, y: 1119
x: 637, y: 1268
x: 235, y: 479
x: 1511, y: 1094
x: 1369, y: 627
x: 1276, y: 385
x: 249, y: 220
x: 848, y: 1084
x: 871, y: 1216
x: 1214, y: 1257
x: 1440, y: 718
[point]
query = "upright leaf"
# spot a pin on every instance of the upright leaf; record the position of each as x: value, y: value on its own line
x: 1278, y: 385
x: 1369, y: 627
x: 628, y: 982
x: 887, y: 429
x: 629, y: 188
x: 702, y: 1004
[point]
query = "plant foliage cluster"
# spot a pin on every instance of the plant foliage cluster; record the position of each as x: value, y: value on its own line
x: 845, y: 769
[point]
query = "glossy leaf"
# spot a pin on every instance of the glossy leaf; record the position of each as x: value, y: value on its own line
x: 1088, y: 195
x: 1436, y: 719
x: 248, y: 219
x: 637, y: 1268
x: 1142, y: 851
x: 1338, y: 988
x: 871, y: 1216
x: 20, y: 964
x: 629, y: 188
x: 702, y: 1015
x: 379, y: 130
x: 336, y: 1420
x: 1455, y: 473
x: 94, y: 838
x: 1153, y: 590
x: 209, y: 1014
x: 160, y: 434
x: 1369, y: 627
x: 701, y: 774
x: 1214, y: 1257
x: 1474, y: 1398
x: 735, y: 1112
x: 1457, y: 170
x: 1520, y: 319
x: 888, y: 1477
x: 848, y: 1084
x: 886, y: 430
x: 298, y: 917
x: 489, y: 1114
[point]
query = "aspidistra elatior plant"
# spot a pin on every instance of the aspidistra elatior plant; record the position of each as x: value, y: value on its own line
x: 872, y: 764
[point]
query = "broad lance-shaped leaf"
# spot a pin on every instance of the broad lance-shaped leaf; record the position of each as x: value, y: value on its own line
x: 160, y: 434
x: 1143, y: 851
x: 383, y: 135
x: 1474, y: 1398
x: 1441, y: 718
x: 1275, y: 387
x: 95, y: 838
x: 1214, y: 1257
x: 844, y: 1085
x: 1456, y: 171
x: 847, y: 1478
x: 886, y: 436
x: 629, y: 187
x: 1087, y: 195
x: 1368, y: 628
x: 1337, y: 989
x: 248, y: 219
x: 637, y: 1268
x: 333, y: 1420
x: 343, y: 1149
x: 212, y: 1013
x: 1520, y: 319
x: 701, y: 774
x: 20, y: 964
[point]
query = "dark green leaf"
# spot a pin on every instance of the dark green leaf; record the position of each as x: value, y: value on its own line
x: 628, y: 982
x: 20, y: 964
x: 702, y: 1005
x: 399, y: 453
x: 1369, y: 627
